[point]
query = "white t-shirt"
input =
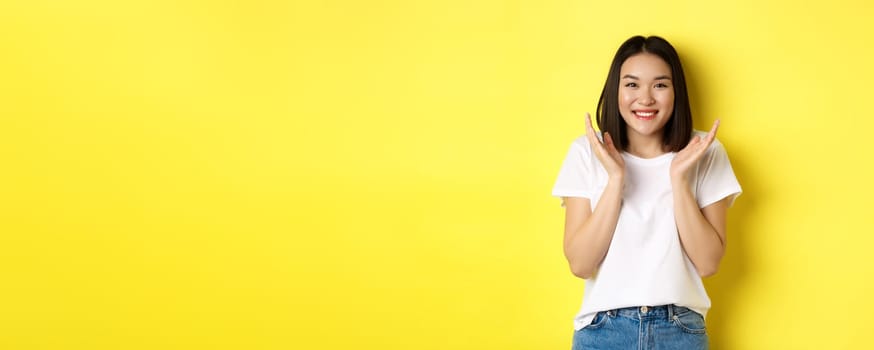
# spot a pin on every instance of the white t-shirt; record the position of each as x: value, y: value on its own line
x: 645, y: 263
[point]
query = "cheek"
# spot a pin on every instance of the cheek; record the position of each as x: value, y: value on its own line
x: 667, y: 98
x: 625, y: 98
x: 625, y: 105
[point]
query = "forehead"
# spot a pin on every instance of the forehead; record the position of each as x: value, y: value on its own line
x: 645, y: 65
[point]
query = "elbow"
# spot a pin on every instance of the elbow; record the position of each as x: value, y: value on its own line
x: 707, y: 271
x: 583, y: 272
x: 709, y: 267
x: 579, y: 267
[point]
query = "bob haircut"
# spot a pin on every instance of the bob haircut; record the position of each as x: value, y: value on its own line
x: 678, y: 129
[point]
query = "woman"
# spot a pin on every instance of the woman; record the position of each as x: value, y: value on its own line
x: 645, y: 207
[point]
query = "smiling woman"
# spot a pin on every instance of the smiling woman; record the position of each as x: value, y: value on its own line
x: 645, y: 208
x: 646, y: 100
x: 655, y: 60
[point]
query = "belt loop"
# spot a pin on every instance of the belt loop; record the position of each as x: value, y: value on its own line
x: 670, y: 311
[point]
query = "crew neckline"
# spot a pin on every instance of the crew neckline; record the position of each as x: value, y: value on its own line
x: 654, y: 160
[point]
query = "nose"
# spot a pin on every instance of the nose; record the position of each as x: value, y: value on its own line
x: 646, y: 98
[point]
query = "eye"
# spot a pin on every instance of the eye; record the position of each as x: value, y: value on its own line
x: 630, y: 84
x: 661, y: 85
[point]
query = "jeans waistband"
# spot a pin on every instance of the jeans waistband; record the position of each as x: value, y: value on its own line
x: 659, y: 311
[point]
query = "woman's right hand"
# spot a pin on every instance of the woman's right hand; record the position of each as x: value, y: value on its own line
x: 606, y: 151
x: 588, y: 231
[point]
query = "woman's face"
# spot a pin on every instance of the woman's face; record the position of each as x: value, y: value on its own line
x: 646, y: 94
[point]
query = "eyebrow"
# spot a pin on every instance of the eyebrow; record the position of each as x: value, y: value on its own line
x: 661, y: 77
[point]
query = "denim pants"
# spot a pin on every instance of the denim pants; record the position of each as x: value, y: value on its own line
x: 644, y: 328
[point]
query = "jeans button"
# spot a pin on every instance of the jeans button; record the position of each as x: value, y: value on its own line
x: 644, y: 309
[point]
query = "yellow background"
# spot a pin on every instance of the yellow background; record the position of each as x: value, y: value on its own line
x: 377, y: 174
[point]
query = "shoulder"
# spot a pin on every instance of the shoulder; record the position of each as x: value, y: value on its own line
x: 581, y: 144
x: 582, y: 148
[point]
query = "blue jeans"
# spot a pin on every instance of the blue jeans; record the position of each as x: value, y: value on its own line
x: 644, y: 328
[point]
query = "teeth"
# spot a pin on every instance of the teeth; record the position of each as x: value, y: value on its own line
x: 645, y: 114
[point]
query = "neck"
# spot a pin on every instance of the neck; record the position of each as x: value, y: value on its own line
x: 645, y: 146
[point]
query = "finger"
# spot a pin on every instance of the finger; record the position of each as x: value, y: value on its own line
x: 692, y: 145
x: 588, y: 122
x: 712, y: 134
x: 608, y: 142
x: 694, y: 141
x: 611, y: 145
x: 707, y: 140
x: 590, y: 131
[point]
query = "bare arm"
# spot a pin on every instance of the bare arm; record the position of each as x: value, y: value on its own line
x: 587, y: 233
x: 702, y: 230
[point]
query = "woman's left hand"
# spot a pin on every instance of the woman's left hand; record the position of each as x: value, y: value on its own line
x: 689, y: 155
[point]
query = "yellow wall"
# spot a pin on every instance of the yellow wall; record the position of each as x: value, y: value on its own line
x: 376, y: 174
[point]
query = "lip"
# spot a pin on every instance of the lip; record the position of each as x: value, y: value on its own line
x: 645, y: 114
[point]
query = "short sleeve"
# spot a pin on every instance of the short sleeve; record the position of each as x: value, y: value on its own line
x: 716, y: 179
x: 573, y: 177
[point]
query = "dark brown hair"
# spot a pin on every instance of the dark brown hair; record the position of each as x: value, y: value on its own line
x: 678, y: 129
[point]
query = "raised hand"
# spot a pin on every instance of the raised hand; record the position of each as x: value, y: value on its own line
x: 691, y: 154
x: 606, y: 151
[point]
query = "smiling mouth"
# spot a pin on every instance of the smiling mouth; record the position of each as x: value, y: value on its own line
x: 645, y: 115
